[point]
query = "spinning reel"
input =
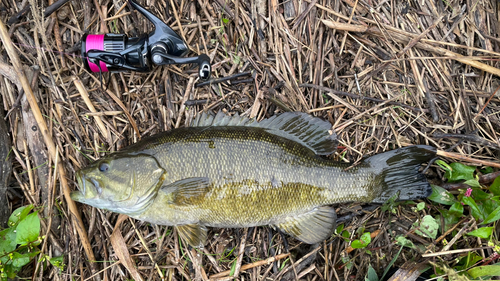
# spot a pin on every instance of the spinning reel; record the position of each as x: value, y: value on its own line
x: 117, y: 52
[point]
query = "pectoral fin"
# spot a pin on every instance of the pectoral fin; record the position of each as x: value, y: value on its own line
x: 194, y: 234
x: 311, y: 227
x: 187, y: 191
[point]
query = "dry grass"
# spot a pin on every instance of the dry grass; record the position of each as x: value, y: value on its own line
x: 385, y: 74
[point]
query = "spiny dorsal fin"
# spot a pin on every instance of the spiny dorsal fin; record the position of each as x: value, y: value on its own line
x: 310, y: 131
x: 312, y: 227
x: 194, y: 234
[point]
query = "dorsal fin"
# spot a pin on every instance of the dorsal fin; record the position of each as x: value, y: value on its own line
x: 310, y: 131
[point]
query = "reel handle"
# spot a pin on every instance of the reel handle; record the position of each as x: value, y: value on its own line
x: 161, y: 56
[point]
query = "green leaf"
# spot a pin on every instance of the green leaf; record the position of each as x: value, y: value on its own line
x: 487, y: 170
x: 483, y: 232
x: 340, y: 228
x: 495, y: 186
x: 391, y: 263
x: 443, y: 165
x: 362, y: 242
x: 391, y: 203
x: 19, y: 214
x: 58, y: 262
x: 486, y: 270
x: 18, y: 260
x: 478, y: 194
x: 441, y: 196
x: 346, y: 235
x: 428, y: 227
x: 233, y: 268
x: 7, y: 241
x: 460, y: 172
x: 468, y: 261
x: 371, y: 275
x: 225, y: 21
x: 456, y: 209
x: 420, y: 206
x: 476, y: 211
x: 493, y: 216
x: 401, y: 240
x: 490, y: 205
x: 473, y: 183
x: 28, y: 229
x: 450, y: 219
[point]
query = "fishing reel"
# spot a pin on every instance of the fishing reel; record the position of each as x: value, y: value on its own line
x: 117, y: 52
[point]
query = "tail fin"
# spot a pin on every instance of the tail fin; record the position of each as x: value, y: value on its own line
x: 397, y: 170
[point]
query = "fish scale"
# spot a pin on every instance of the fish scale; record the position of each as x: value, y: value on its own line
x: 236, y: 172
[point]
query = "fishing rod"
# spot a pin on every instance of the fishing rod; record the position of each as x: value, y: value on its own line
x: 117, y: 52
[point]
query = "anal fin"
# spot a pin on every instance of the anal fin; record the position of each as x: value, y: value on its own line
x: 194, y: 234
x: 311, y: 227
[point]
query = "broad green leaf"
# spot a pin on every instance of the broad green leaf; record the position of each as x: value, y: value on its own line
x: 490, y: 205
x: 420, y: 206
x: 441, y: 196
x: 473, y: 183
x: 346, y: 235
x: 483, y: 232
x: 487, y: 170
x: 460, y: 172
x: 428, y: 227
x: 7, y: 241
x: 18, y: 260
x: 468, y: 261
x: 372, y: 274
x: 456, y: 209
x: 11, y: 271
x: 28, y: 229
x: 19, y: 214
x: 486, y: 270
x: 340, y: 228
x: 493, y: 216
x: 495, y: 186
x: 225, y: 21
x: 362, y: 242
x: 476, y: 211
x: 401, y: 240
x: 478, y: 194
x: 449, y: 218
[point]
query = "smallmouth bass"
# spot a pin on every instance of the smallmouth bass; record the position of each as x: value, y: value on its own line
x: 236, y: 172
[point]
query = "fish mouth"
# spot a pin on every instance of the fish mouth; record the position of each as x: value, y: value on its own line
x: 87, y: 187
x: 79, y: 195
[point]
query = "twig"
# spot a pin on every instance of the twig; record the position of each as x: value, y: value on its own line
x: 252, y: 265
x: 54, y: 7
x: 467, y: 159
x: 354, y: 96
x: 223, y: 79
x: 240, y: 253
x: 85, y: 96
x: 472, y: 138
x: 451, y: 252
x: 17, y: 17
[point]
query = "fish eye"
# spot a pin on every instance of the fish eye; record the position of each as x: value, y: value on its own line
x: 104, y: 167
